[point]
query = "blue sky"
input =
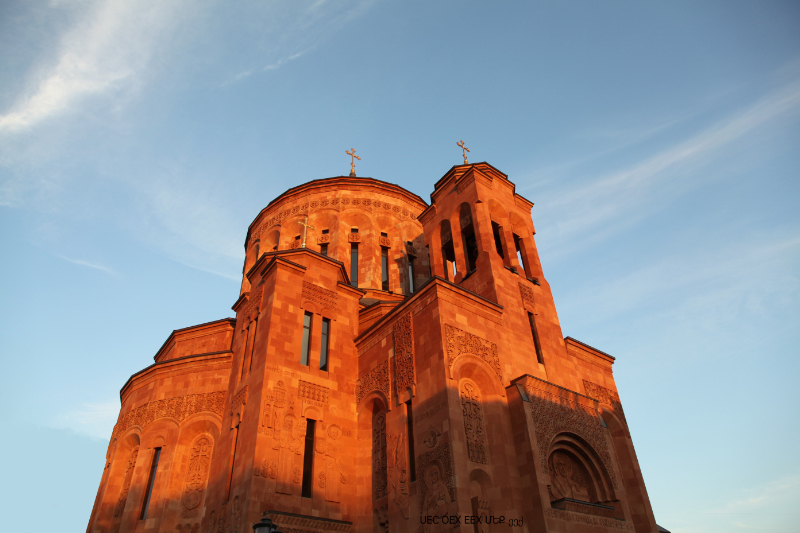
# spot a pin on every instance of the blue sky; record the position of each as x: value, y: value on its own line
x: 659, y: 142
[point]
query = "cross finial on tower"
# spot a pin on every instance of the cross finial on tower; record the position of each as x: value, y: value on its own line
x: 306, y: 227
x: 464, y: 151
x: 353, y: 158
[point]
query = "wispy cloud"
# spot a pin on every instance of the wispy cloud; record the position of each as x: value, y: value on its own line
x: 105, y: 51
x: 593, y: 211
x: 703, y: 289
x: 88, y: 264
x: 777, y: 496
x: 94, y: 420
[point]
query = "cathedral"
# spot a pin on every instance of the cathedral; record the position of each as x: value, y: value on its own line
x: 393, y: 366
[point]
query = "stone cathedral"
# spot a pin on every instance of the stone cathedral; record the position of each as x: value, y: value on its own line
x: 393, y: 366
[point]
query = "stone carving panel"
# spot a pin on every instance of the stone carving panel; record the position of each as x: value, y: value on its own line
x: 239, y: 399
x: 474, y: 422
x: 288, y: 440
x: 197, y: 475
x: 126, y: 482
x: 568, y: 477
x: 331, y: 476
x: 604, y: 395
x: 437, y: 490
x: 460, y: 343
x: 274, y: 405
x: 385, y: 242
x: 553, y: 414
x: 375, y: 379
x: 397, y: 471
x: 404, y: 355
x: 251, y: 308
x: 179, y: 408
x: 313, y: 392
x: 319, y: 295
x: 581, y: 518
x: 379, y: 456
x: 527, y: 294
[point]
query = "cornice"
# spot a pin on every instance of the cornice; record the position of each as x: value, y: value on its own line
x: 344, y: 183
x: 208, y: 359
x: 205, y: 325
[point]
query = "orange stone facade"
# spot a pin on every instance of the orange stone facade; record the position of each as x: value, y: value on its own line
x: 437, y: 385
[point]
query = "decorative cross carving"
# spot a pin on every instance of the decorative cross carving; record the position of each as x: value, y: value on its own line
x: 464, y: 151
x: 306, y: 226
x: 353, y: 158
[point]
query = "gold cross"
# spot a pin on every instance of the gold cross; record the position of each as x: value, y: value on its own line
x: 353, y: 158
x: 305, y: 225
x: 464, y: 150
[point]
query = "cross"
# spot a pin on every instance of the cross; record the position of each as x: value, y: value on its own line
x: 353, y: 158
x: 306, y: 226
x: 464, y: 150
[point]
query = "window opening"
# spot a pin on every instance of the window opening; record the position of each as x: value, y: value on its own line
x: 325, y: 231
x: 535, y: 334
x: 449, y: 256
x: 323, y: 249
x: 233, y: 458
x: 384, y: 268
x: 411, y: 259
x: 353, y: 230
x: 150, y: 481
x: 470, y: 243
x: 496, y: 229
x: 517, y: 245
x: 323, y: 350
x: 412, y: 471
x: 308, y: 459
x: 354, y: 264
x: 252, y: 345
x: 306, y: 338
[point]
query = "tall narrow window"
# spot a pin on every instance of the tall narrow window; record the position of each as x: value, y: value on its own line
x: 308, y: 459
x: 517, y: 245
x: 323, y: 349
x: 233, y: 458
x: 536, y: 342
x: 411, y: 259
x: 412, y: 471
x: 246, y: 348
x: 252, y: 345
x: 306, y: 338
x: 149, y: 490
x: 354, y: 264
x: 498, y: 243
x: 323, y: 248
x: 384, y: 268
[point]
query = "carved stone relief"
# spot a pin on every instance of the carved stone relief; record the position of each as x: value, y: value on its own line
x: 288, y: 440
x: 397, y: 472
x: 404, y: 355
x: 437, y: 492
x: 126, y: 482
x: 553, y: 414
x: 319, y: 295
x: 581, y: 518
x: 332, y: 476
x: 274, y: 405
x: 526, y: 293
x: 385, y: 242
x: 375, y: 379
x: 604, y: 395
x: 460, y: 342
x: 379, y: 456
x: 239, y: 399
x: 474, y: 422
x: 568, y: 477
x: 196, y: 476
x: 436, y: 467
x: 179, y: 408
x: 312, y: 391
